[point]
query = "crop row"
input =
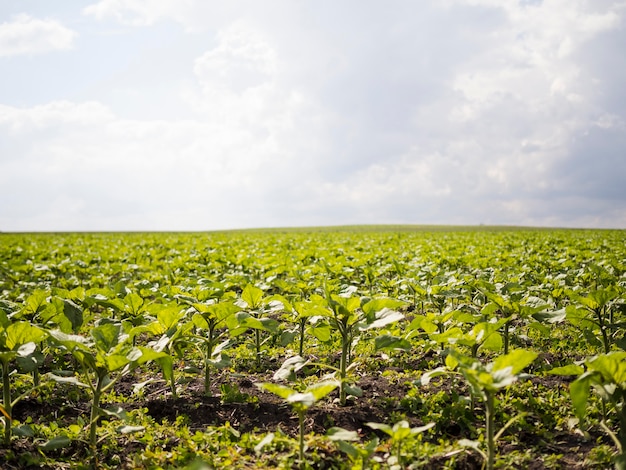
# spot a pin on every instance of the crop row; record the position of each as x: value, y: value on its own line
x: 89, y: 310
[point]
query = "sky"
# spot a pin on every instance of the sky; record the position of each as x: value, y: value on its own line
x: 209, y: 115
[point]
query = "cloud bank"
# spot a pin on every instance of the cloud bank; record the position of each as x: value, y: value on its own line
x: 459, y: 112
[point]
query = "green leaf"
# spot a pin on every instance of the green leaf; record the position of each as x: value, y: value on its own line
x: 341, y: 434
x: 106, y: 336
x: 304, y: 400
x: 516, y: 360
x: 280, y: 390
x: 390, y: 342
x: 267, y: 440
x: 55, y: 443
x: 116, y: 412
x: 67, y: 380
x: 73, y: 313
x: 570, y: 369
x: 376, y: 305
x: 126, y: 429
x: 384, y: 317
x: 252, y: 296
x: 289, y: 367
x: 428, y: 376
x: 322, y: 332
x: 579, y: 393
x: 381, y: 427
x: 321, y: 389
x: 21, y: 333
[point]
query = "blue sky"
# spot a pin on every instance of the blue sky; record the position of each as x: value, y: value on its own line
x: 201, y: 115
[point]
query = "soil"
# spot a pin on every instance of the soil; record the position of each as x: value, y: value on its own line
x: 261, y: 411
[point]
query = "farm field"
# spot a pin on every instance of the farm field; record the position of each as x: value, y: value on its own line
x: 347, y: 347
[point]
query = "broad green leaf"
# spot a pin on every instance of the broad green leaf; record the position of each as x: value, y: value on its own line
x: 280, y: 390
x: 321, y: 332
x: 106, y: 336
x: 26, y: 349
x: 115, y: 411
x: 36, y: 302
x: 23, y: 430
x: 134, y: 302
x: 557, y: 316
x: 449, y: 336
x: 55, y: 443
x: 21, y: 333
x: 340, y: 434
x: 73, y: 313
x: 390, y: 342
x: 321, y: 389
x: 384, y: 317
x: 67, y: 380
x: 252, y: 296
x: 611, y: 366
x: 305, y: 399
x: 376, y: 305
x: 381, y: 427
x: 579, y: 393
x: 126, y: 429
x: 115, y: 361
x: 289, y: 367
x: 570, y: 369
x: 516, y: 360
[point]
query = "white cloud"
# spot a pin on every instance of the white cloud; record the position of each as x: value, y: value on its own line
x: 354, y: 114
x: 27, y: 35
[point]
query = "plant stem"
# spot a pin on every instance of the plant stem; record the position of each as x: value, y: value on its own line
x: 489, y: 416
x: 301, y: 418
x: 343, y: 365
x: 95, y: 413
x: 605, y: 339
x: 506, y: 338
x: 207, y: 364
x: 302, y: 326
x: 258, y: 347
x: 6, y: 397
x: 620, y: 460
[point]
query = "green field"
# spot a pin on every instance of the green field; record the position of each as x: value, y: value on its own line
x: 330, y: 347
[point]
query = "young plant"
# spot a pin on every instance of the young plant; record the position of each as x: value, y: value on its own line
x: 397, y: 435
x: 347, y: 315
x: 210, y: 318
x: 172, y: 330
x: 104, y: 358
x: 301, y: 402
x: 595, y: 315
x: 346, y: 442
x: 485, y: 380
x: 255, y: 305
x: 17, y: 340
x: 606, y: 373
x: 509, y: 303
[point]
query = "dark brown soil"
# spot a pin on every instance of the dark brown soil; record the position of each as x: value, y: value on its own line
x: 260, y: 411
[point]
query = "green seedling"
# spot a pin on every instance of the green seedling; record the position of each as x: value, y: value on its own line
x: 485, y: 380
x: 301, y: 402
x: 105, y: 357
x: 346, y: 442
x: 398, y: 433
x: 255, y: 305
x: 347, y: 315
x: 17, y: 340
x: 214, y: 314
x: 172, y: 330
x: 606, y: 373
x: 596, y: 315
